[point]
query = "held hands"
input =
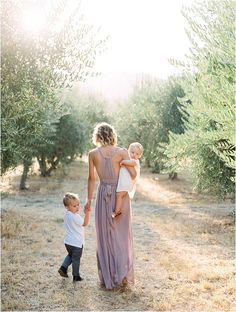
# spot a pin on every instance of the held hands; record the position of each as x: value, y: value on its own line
x: 87, y: 207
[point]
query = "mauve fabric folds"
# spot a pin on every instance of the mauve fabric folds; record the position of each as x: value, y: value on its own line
x: 114, y: 236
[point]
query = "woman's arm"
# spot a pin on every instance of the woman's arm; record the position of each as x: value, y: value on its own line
x: 131, y: 169
x: 91, y: 183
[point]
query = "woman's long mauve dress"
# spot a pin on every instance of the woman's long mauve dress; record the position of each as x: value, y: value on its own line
x: 114, y: 236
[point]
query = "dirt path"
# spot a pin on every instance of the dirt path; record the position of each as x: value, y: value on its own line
x: 184, y: 249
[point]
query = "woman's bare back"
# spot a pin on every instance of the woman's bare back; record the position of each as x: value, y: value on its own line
x: 115, y: 156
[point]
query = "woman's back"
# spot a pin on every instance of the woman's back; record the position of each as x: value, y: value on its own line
x: 107, y: 162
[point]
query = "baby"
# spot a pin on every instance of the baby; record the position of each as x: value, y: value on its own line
x: 125, y: 183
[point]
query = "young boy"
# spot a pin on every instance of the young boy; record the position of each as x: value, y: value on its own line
x: 74, y: 235
x: 125, y: 183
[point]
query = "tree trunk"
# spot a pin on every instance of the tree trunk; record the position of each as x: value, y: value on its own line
x: 53, y: 166
x: 72, y: 157
x: 173, y: 176
x: 26, y: 164
x: 148, y: 162
x: 42, y: 166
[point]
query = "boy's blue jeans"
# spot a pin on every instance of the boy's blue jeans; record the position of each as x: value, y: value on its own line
x: 74, y: 255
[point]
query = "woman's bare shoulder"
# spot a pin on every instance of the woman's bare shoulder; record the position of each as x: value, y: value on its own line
x: 123, y: 151
x: 93, y: 152
x: 120, y: 149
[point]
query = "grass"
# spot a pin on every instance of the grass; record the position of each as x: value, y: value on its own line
x: 183, y: 242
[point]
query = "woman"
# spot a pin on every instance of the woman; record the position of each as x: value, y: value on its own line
x: 114, y: 236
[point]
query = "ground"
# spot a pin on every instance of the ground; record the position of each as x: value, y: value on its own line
x: 183, y: 243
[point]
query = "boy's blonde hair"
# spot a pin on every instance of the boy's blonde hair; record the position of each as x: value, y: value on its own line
x: 68, y: 197
x: 138, y: 145
x: 104, y: 134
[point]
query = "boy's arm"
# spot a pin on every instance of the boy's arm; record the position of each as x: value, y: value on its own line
x: 86, y: 218
x: 128, y: 162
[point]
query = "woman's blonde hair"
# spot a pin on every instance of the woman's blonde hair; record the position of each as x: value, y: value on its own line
x: 104, y: 134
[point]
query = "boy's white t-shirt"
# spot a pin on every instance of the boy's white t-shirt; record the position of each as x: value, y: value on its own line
x: 74, y: 230
x: 125, y: 182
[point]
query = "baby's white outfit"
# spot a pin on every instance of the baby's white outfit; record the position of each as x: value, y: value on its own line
x: 125, y: 183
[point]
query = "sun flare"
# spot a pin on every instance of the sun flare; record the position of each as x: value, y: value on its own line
x: 33, y: 21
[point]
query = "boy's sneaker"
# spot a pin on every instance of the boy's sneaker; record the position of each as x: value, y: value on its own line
x: 77, y: 278
x: 63, y: 272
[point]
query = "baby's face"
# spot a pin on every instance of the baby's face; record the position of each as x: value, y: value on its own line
x: 134, y: 152
x: 74, y: 205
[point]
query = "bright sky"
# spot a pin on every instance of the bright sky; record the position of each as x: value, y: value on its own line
x: 143, y: 34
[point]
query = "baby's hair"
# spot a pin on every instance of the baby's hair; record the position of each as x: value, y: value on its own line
x: 68, y: 197
x: 138, y: 145
x: 104, y: 134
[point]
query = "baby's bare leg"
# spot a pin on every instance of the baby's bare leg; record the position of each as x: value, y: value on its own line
x: 119, y: 203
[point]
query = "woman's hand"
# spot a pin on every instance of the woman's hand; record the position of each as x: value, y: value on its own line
x: 87, y: 207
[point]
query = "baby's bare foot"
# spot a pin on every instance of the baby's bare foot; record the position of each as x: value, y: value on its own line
x: 115, y: 214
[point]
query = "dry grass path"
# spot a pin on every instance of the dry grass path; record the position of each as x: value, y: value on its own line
x: 184, y: 249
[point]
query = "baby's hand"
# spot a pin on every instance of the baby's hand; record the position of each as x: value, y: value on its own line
x: 121, y: 163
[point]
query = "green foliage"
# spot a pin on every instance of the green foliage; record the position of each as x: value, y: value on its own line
x: 35, y: 66
x: 90, y: 109
x: 72, y: 135
x: 151, y: 112
x: 209, y: 137
x: 62, y: 145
